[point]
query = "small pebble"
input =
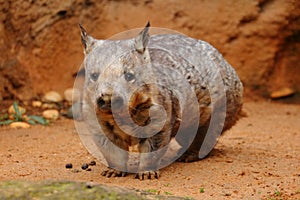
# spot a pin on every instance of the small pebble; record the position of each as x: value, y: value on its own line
x: 69, y: 166
x: 49, y: 106
x: 88, y: 169
x: 92, y: 163
x: 36, y: 104
x: 11, y: 110
x: 281, y: 93
x: 51, y: 114
x: 19, y: 125
x: 72, y: 95
x: 84, y: 166
x: 52, y: 96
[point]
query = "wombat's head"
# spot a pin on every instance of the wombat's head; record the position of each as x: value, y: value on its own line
x: 119, y: 74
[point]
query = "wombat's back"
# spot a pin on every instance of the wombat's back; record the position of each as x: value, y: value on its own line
x: 204, y: 67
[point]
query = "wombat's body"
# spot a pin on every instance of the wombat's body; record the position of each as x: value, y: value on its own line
x: 144, y: 90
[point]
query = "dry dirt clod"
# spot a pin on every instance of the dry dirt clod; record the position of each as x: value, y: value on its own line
x: 51, y: 114
x: 19, y: 125
x: 52, y: 96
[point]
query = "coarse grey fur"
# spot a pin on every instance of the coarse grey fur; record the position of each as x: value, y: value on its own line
x: 163, y: 84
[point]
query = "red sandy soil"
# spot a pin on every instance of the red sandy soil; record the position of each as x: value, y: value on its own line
x: 257, y: 159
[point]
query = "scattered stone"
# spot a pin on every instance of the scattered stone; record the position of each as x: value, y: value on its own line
x: 26, y: 103
x: 49, y: 106
x: 52, y: 96
x: 36, y: 104
x: 11, y: 110
x: 283, y: 92
x: 88, y: 169
x: 69, y: 166
x: 92, y: 163
x: 51, y: 114
x: 19, y: 125
x: 72, y: 95
x: 25, y: 118
x: 84, y: 166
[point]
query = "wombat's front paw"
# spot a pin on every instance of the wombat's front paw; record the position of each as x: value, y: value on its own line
x: 147, y: 175
x: 113, y: 173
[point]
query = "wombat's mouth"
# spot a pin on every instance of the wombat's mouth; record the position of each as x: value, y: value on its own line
x: 140, y: 113
x: 105, y: 104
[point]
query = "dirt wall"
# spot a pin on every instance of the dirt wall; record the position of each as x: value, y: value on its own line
x: 41, y: 50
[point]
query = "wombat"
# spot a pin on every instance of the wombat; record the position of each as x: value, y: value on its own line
x: 143, y: 93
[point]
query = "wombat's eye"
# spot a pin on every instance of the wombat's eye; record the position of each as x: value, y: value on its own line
x: 94, y: 76
x: 129, y: 76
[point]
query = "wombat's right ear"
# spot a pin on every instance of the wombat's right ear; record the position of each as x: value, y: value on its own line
x: 141, y: 41
x: 87, y: 40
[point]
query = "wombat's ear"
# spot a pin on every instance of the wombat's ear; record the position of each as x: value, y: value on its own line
x: 141, y: 41
x: 87, y: 40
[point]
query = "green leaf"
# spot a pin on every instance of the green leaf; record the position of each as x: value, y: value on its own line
x: 6, y: 122
x: 201, y: 190
x: 18, y: 114
x: 168, y: 193
x: 4, y: 117
x: 31, y: 122
x: 17, y: 118
x: 39, y: 119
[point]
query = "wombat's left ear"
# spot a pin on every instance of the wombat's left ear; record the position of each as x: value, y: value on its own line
x: 141, y: 41
x: 87, y: 40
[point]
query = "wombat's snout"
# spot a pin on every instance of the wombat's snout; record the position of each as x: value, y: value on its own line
x: 106, y: 102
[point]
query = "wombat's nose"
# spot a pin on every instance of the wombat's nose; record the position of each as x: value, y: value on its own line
x: 104, y: 102
x: 117, y: 102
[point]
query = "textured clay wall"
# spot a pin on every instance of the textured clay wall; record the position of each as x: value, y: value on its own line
x: 40, y: 47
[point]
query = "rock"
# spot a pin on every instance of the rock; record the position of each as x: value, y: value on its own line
x: 49, y: 106
x: 36, y: 104
x: 73, y: 190
x: 72, y: 95
x: 19, y: 125
x: 51, y: 114
x: 281, y: 93
x: 52, y: 96
x: 11, y: 110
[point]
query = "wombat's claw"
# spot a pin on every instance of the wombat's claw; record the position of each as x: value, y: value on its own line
x: 113, y: 173
x: 188, y: 157
x: 147, y: 175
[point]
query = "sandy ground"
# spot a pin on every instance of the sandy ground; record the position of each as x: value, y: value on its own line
x: 259, y: 158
